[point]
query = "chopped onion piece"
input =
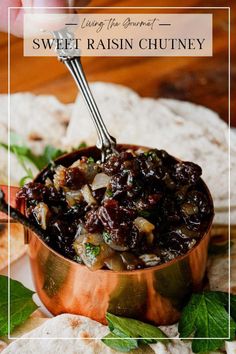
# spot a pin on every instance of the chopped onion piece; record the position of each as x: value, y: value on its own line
x: 143, y: 225
x: 87, y: 194
x: 150, y: 260
x: 41, y: 212
x: 72, y: 197
x: 89, y: 169
x: 92, y: 250
x: 101, y: 180
x: 59, y: 177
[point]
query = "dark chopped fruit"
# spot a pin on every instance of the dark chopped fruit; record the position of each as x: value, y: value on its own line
x: 118, y: 221
x: 148, y: 209
x: 92, y: 221
x: 74, y: 178
x: 117, y: 163
x: 186, y: 172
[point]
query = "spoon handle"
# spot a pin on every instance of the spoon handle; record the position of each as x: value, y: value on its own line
x: 106, y: 143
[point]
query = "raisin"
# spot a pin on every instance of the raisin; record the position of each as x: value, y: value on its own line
x: 186, y: 173
x: 92, y: 222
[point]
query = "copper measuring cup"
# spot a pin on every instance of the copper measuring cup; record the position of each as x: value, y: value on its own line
x: 154, y: 294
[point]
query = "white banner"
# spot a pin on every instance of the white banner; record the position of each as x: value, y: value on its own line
x: 118, y: 34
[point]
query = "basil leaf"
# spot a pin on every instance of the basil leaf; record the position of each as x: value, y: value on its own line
x: 206, y: 316
x: 135, y: 329
x: 21, y: 304
x: 118, y: 343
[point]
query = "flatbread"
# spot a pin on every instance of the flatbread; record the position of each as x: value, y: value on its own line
x: 185, y: 130
x: 17, y: 246
x: 82, y: 329
x: 218, y: 270
x: 39, y: 120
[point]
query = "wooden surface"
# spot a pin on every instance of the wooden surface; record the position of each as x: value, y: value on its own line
x: 200, y: 80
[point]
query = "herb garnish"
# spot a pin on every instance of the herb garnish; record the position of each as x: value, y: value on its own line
x: 90, y: 160
x: 206, y: 316
x: 133, y: 330
x: 106, y: 236
x: 91, y: 250
x: 21, y: 304
x: 118, y: 343
x: 25, y: 156
x: 109, y: 193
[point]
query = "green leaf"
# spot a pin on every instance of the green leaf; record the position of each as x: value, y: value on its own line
x: 21, y: 304
x: 24, y: 179
x: 135, y: 329
x: 90, y: 160
x: 106, y: 236
x: 232, y: 306
x: 109, y: 193
x: 205, y: 316
x: 26, y: 156
x: 92, y: 250
x: 81, y: 146
x: 118, y: 343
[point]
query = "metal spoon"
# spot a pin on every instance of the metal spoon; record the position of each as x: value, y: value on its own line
x: 106, y: 143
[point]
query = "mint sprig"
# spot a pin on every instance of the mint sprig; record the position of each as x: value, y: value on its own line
x: 120, y: 344
x: 21, y: 304
x: 206, y: 316
x: 127, y: 334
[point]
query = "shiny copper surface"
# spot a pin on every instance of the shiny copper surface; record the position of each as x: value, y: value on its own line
x: 154, y: 294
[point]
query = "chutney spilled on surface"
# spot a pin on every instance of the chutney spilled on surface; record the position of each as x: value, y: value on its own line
x: 138, y: 209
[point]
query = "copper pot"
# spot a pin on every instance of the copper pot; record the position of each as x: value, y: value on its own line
x: 154, y: 294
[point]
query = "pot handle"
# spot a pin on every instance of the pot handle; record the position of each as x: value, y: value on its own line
x: 10, y: 196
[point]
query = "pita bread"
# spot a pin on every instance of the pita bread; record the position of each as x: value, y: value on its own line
x: 81, y: 329
x: 35, y: 320
x: 185, y: 130
x: 218, y: 270
x: 39, y: 120
x: 17, y: 246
